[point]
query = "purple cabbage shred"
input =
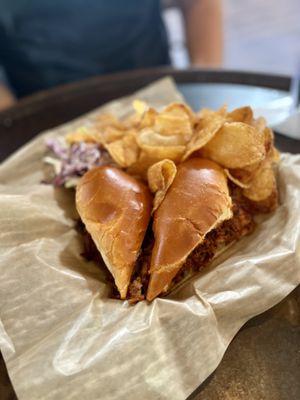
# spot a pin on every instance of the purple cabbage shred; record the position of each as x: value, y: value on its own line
x: 76, y: 159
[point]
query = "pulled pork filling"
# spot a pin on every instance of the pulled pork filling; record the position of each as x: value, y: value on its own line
x: 241, y: 224
x: 229, y: 231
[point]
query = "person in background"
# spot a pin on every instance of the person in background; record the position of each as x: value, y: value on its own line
x: 48, y: 43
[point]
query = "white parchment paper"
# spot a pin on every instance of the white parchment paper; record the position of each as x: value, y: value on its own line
x: 60, y: 335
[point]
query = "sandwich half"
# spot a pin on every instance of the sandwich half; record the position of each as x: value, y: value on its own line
x: 197, y: 202
x: 115, y: 209
x: 200, y: 216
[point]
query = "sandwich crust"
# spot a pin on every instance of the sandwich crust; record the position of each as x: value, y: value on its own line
x: 197, y: 202
x: 115, y: 209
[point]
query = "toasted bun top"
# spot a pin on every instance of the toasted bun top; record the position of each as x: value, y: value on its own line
x: 197, y: 201
x: 116, y: 209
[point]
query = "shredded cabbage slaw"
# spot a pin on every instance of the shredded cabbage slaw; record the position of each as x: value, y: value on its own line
x: 71, y: 161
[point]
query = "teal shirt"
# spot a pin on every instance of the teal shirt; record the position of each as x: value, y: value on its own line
x: 44, y: 43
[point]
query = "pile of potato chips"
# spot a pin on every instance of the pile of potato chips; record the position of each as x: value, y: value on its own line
x: 150, y: 143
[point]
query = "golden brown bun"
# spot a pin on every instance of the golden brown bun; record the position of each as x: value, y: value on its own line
x: 197, y: 201
x: 116, y: 209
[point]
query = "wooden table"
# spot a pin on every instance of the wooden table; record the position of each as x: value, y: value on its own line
x: 263, y: 360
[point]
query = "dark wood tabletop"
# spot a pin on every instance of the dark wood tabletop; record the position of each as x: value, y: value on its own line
x: 263, y: 360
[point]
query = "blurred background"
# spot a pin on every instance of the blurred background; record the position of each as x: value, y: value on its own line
x: 44, y: 44
x: 258, y: 35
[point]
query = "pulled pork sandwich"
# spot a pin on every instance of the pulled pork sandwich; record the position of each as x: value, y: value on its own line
x: 161, y: 194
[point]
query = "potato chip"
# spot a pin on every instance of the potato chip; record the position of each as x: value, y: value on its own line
x: 245, y: 175
x: 148, y: 137
x: 124, y: 151
x: 179, y: 108
x: 222, y: 111
x: 107, y: 120
x: 204, y: 131
x: 151, y: 155
x: 157, y: 147
x: 140, y: 107
x: 259, y: 123
x: 132, y: 121
x: 274, y: 155
x: 175, y: 119
x: 84, y: 134
x: 208, y: 112
x: 263, y: 183
x: 111, y: 134
x: 242, y: 114
x: 237, y: 182
x: 269, y: 139
x: 205, y: 113
x: 159, y: 153
x: 141, y: 166
x: 235, y: 145
x: 148, y: 118
x: 160, y: 177
x: 105, y: 128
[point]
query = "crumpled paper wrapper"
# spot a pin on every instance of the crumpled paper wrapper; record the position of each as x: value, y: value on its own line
x: 60, y: 335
